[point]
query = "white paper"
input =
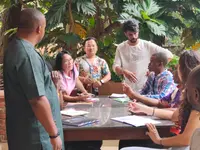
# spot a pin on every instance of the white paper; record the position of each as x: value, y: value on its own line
x: 136, y: 120
x: 114, y: 95
x: 73, y: 112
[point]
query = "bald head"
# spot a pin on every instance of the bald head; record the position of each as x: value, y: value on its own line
x: 30, y: 19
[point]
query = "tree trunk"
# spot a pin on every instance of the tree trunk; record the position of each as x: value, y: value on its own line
x: 9, y: 20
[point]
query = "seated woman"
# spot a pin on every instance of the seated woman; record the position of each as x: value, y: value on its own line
x: 69, y: 77
x: 93, y: 70
x: 188, y: 60
x: 189, y: 117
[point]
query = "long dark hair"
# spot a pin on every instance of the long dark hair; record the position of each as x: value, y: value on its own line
x: 59, y: 59
x: 188, y: 60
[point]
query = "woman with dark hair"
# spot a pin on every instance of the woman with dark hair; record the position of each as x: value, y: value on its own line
x: 188, y: 113
x: 68, y: 77
x: 94, y: 71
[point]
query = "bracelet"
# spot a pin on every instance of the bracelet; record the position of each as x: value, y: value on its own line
x: 54, y: 136
x: 153, y: 112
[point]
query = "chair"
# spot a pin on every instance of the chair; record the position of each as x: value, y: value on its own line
x: 111, y: 87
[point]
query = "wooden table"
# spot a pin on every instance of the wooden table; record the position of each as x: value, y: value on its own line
x: 107, y: 129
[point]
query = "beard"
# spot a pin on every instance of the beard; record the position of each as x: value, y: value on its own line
x: 133, y: 40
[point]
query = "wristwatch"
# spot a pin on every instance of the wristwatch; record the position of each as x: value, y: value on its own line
x: 102, y: 82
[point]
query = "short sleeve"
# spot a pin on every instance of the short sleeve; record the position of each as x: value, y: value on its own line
x: 31, y: 76
x: 105, y: 68
x: 155, y: 49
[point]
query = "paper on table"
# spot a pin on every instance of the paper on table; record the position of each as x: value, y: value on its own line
x: 114, y: 95
x: 122, y: 100
x: 73, y: 112
x: 136, y: 120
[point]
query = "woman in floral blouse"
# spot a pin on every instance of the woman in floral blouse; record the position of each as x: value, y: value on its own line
x: 93, y: 71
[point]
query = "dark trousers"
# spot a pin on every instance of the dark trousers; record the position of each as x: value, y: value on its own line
x: 139, y: 143
x: 83, y: 145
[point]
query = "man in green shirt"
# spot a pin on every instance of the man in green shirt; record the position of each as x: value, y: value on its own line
x: 33, y: 117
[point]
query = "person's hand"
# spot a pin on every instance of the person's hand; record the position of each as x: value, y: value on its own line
x: 138, y: 108
x: 56, y: 143
x: 130, y: 76
x: 153, y: 133
x: 128, y: 91
x: 88, y: 80
x: 97, y: 84
x: 56, y: 79
x: 83, y: 97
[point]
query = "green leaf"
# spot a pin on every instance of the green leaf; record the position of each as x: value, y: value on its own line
x: 70, y: 38
x: 55, y: 13
x: 87, y: 7
x: 156, y: 29
x: 150, y: 7
x: 133, y: 9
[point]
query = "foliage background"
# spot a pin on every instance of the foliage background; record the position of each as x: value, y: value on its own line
x: 172, y: 24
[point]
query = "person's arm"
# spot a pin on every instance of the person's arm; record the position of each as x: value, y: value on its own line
x: 117, y: 65
x: 80, y: 86
x: 42, y: 111
x: 152, y: 111
x: 155, y: 49
x: 184, y: 138
x: 167, y: 87
x: 69, y: 98
x: 146, y: 87
x: 146, y: 100
x: 105, y: 72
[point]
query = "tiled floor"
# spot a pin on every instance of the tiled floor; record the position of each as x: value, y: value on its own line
x: 107, y: 145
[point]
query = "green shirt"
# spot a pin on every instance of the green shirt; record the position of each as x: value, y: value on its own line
x: 26, y: 76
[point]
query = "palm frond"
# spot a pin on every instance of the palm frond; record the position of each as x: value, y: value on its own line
x: 55, y: 13
x: 156, y: 29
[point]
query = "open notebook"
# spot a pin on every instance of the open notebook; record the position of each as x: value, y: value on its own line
x: 79, y: 121
x: 136, y: 120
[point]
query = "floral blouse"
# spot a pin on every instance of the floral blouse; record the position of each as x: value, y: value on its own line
x: 95, y: 71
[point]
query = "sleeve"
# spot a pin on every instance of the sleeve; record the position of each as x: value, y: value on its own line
x: 155, y: 49
x: 146, y: 88
x: 31, y: 77
x: 77, y: 63
x: 167, y: 87
x: 117, y: 60
x: 76, y: 71
x: 105, y: 68
x: 62, y: 83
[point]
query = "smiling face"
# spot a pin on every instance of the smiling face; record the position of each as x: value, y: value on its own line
x: 90, y: 48
x: 67, y: 62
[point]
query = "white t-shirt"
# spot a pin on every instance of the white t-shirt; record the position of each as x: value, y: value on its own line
x: 136, y: 59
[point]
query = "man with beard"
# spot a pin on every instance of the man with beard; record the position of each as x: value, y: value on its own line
x: 133, y: 56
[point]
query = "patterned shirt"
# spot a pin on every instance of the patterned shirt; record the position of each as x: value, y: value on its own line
x: 158, y: 86
x: 173, y: 99
x: 95, y: 71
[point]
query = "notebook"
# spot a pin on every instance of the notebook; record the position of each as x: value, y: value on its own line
x: 79, y: 121
x: 136, y: 120
x: 72, y: 112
